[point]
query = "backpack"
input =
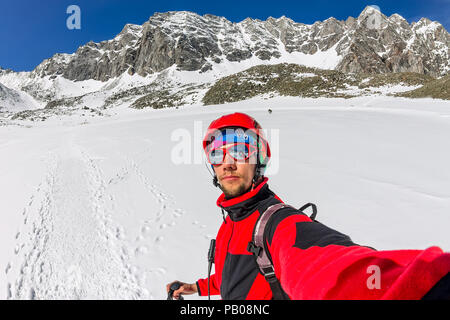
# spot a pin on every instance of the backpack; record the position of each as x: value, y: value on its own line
x: 261, y: 253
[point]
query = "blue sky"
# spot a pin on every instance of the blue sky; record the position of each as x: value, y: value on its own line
x: 31, y: 31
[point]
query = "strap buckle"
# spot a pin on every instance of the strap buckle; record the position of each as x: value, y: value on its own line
x: 253, y: 249
x: 269, y: 274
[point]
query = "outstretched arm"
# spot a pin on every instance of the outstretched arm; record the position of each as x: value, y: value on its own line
x: 313, y: 261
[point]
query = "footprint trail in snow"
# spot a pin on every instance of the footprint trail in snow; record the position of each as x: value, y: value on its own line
x: 68, y: 248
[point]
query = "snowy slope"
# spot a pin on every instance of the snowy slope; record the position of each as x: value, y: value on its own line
x: 98, y: 208
x: 14, y: 101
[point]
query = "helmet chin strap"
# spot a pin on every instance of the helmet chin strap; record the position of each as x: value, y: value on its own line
x: 215, y: 180
x: 216, y: 183
x: 259, y: 166
x: 258, y: 177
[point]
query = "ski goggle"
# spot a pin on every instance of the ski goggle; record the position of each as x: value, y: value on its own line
x: 239, y: 152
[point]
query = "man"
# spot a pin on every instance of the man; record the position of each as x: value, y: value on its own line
x: 310, y: 260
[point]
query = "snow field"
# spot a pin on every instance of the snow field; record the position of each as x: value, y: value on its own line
x: 98, y: 209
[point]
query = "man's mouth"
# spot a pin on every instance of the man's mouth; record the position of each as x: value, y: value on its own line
x: 230, y: 178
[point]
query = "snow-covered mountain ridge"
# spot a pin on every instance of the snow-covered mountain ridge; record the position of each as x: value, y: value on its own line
x: 184, y: 54
x: 371, y: 43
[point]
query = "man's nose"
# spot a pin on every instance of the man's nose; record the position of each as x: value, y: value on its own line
x: 229, y: 162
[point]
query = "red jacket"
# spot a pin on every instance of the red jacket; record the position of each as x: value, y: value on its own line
x: 313, y: 261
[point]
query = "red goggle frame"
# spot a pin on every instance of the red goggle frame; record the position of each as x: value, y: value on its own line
x: 239, y: 152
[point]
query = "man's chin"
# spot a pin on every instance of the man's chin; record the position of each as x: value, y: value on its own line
x: 232, y: 191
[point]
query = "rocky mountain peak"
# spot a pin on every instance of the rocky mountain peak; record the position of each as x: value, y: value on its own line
x: 133, y: 29
x: 397, y: 18
x: 370, y: 43
x: 368, y: 11
x: 5, y: 71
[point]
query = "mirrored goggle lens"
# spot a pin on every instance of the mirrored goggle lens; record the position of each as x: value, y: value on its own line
x: 239, y: 152
x: 216, y: 156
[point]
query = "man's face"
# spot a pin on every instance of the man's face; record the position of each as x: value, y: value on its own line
x: 235, y: 177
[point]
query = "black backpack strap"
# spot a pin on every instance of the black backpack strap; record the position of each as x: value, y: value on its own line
x: 258, y: 248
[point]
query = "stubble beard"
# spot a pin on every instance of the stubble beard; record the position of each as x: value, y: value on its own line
x: 235, y: 192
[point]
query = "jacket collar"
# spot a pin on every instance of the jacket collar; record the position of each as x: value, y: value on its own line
x: 241, y: 207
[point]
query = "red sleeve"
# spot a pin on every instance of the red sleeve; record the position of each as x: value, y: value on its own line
x: 313, y: 261
x: 202, y: 286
